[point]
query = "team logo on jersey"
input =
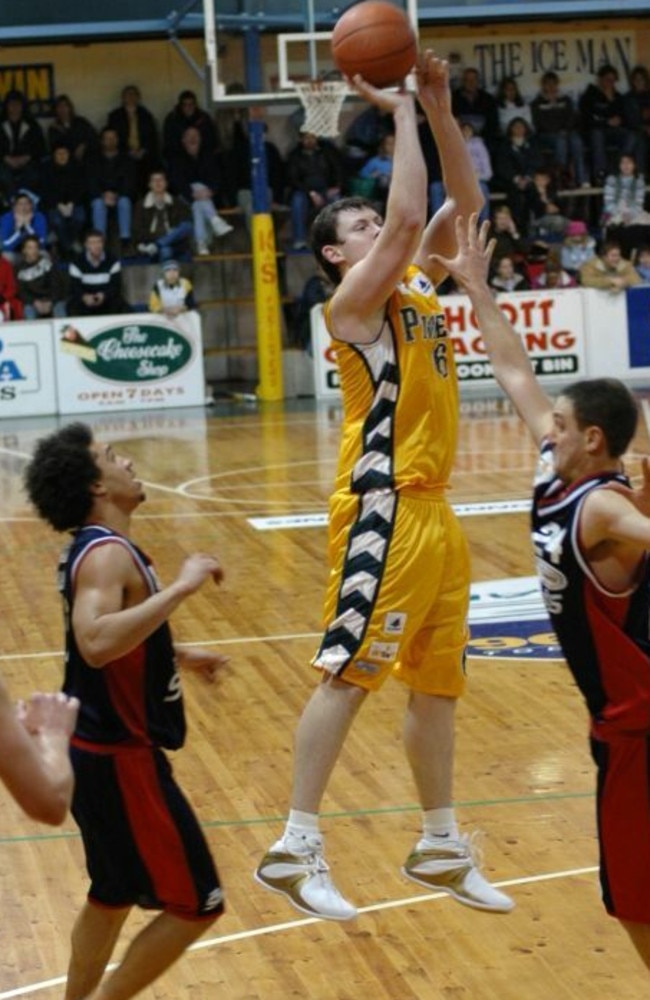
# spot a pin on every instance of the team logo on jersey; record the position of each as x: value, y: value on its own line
x: 394, y: 623
x: 420, y: 283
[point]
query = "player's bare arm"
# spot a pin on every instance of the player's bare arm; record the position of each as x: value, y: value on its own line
x: 506, y: 351
x: 611, y: 516
x: 463, y: 194
x: 373, y: 269
x: 34, y: 762
x: 205, y: 662
x: 113, y: 611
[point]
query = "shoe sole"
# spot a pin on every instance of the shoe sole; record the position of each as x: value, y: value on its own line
x: 466, y: 900
x: 303, y: 909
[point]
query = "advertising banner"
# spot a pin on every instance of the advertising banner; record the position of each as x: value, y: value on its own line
x: 551, y: 325
x: 128, y: 362
x: 27, y: 381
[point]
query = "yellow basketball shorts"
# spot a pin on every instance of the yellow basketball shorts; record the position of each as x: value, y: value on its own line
x: 398, y: 594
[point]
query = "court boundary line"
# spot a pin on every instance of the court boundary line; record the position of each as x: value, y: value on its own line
x: 289, y: 925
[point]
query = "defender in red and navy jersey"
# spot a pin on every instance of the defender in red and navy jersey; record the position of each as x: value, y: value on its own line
x: 143, y: 844
x: 597, y: 628
x: 591, y: 534
x: 137, y: 699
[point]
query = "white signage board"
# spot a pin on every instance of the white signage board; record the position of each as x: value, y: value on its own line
x: 128, y: 362
x: 551, y: 325
x: 27, y: 380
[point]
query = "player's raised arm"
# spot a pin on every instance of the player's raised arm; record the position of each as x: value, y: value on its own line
x: 464, y: 195
x: 510, y: 362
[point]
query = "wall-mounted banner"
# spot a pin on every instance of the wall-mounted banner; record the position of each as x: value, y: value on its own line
x: 551, y: 324
x: 128, y: 362
x: 35, y: 81
x: 27, y: 382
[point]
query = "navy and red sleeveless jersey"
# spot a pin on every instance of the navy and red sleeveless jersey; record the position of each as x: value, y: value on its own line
x: 604, y: 636
x: 136, y: 700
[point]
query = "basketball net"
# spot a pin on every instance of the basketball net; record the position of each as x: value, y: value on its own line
x: 322, y: 101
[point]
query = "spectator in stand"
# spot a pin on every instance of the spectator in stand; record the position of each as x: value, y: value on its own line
x: 137, y: 134
x: 507, y: 238
x: 162, y: 222
x: 187, y: 114
x: 95, y: 280
x: 578, y: 246
x: 315, y: 179
x: 481, y: 161
x: 471, y: 102
x: 64, y: 200
x: 506, y: 278
x: 194, y: 176
x: 547, y: 219
x: 379, y: 169
x: 553, y: 275
x: 10, y: 305
x: 171, y: 294
x: 642, y: 264
x: 517, y: 158
x: 41, y: 285
x: 234, y: 158
x: 72, y: 131
x: 111, y: 179
x: 511, y: 104
x: 624, y: 195
x: 624, y: 218
x: 602, y: 111
x: 23, y: 219
x: 555, y: 121
x: 637, y: 113
x: 609, y: 270
x: 22, y: 145
x: 363, y: 137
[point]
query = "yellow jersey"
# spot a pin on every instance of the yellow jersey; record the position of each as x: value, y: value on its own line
x: 400, y: 396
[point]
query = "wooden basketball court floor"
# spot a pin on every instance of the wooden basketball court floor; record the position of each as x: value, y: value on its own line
x: 523, y: 773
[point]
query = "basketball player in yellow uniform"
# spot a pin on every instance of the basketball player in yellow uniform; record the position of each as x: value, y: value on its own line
x: 398, y: 594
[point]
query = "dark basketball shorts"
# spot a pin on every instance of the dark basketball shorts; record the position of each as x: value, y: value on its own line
x: 623, y: 804
x: 143, y: 843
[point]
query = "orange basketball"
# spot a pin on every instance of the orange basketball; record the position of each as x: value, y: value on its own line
x: 376, y: 39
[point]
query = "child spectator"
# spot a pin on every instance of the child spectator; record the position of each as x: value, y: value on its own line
x: 171, y: 294
x: 505, y: 278
x: 41, y: 285
x: 578, y: 246
x: 547, y: 219
x: 553, y: 275
x: 503, y: 230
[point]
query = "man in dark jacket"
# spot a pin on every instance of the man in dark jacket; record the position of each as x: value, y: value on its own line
x: 162, y: 223
x: 602, y: 110
x: 112, y: 186
x: 555, y: 122
x: 22, y: 145
x: 137, y: 134
x: 315, y: 177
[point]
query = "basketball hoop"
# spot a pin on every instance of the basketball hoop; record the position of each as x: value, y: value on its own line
x: 322, y: 101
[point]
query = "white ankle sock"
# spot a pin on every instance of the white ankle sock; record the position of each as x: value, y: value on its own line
x: 302, y: 824
x: 439, y: 823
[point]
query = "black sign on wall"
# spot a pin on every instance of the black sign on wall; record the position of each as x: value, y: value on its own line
x: 35, y: 81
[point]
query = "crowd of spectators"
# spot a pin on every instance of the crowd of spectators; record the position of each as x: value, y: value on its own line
x: 77, y: 200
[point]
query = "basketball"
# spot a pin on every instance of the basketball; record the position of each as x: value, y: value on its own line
x: 376, y: 39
